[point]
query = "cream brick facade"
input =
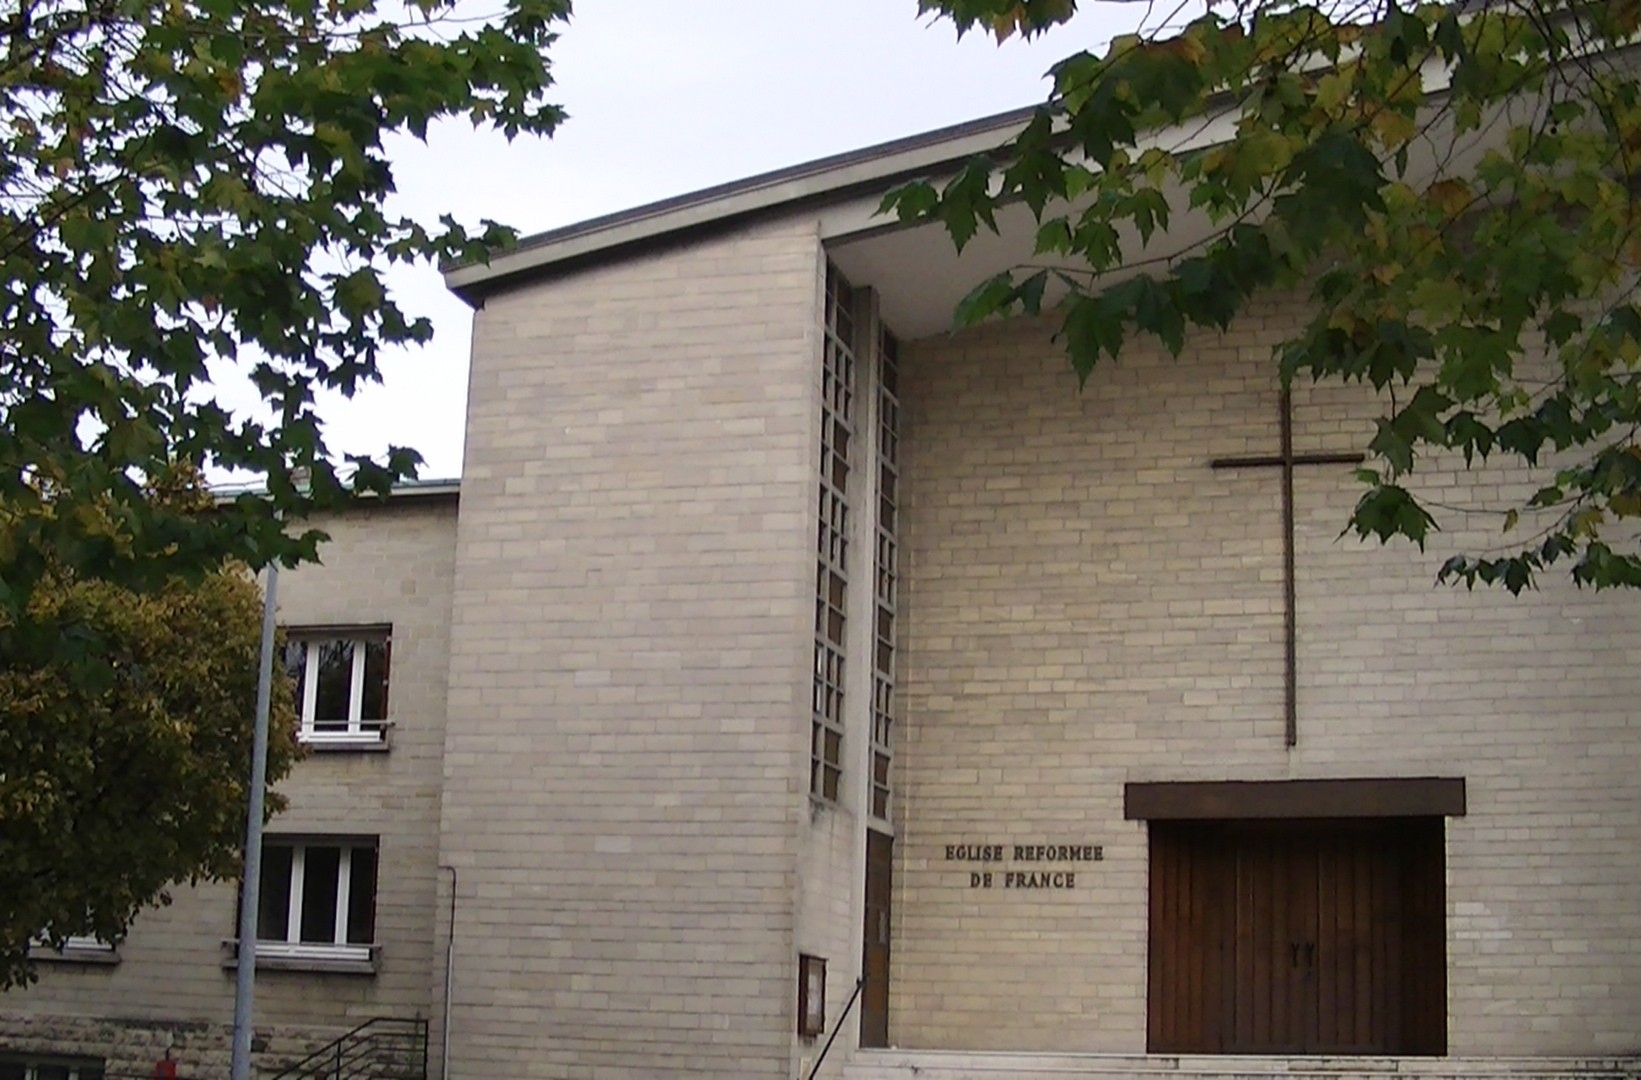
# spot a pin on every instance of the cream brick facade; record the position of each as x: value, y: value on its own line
x: 392, y: 565
x: 1089, y: 603
x: 602, y: 671
x: 630, y: 656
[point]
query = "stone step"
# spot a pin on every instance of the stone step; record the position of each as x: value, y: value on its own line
x: 963, y: 1065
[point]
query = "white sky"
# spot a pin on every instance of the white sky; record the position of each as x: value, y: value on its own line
x: 666, y: 97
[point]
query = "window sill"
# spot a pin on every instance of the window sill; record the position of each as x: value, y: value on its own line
x: 319, y: 959
x: 89, y: 955
x: 368, y: 741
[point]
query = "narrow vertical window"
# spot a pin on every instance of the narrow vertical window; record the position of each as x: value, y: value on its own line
x: 832, y: 543
x: 885, y: 569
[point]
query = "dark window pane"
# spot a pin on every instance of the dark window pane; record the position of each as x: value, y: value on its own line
x: 335, y: 681
x: 362, y: 897
x: 12, y: 1070
x: 294, y: 660
x: 90, y: 1072
x: 51, y: 1072
x: 274, y: 897
x: 319, y: 881
x: 376, y: 669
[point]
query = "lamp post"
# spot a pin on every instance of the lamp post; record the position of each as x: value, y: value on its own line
x: 251, y: 880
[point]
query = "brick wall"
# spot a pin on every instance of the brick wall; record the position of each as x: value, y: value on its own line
x: 1087, y: 603
x: 627, y: 746
x: 387, y: 565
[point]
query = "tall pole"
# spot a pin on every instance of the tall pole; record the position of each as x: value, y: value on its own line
x: 251, y: 886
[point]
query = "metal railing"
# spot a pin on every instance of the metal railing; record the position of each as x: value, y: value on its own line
x: 382, y: 1048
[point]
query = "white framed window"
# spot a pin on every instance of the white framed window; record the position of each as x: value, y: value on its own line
x: 78, y: 948
x: 87, y: 946
x: 317, y: 899
x: 341, y: 681
x: 43, y: 1068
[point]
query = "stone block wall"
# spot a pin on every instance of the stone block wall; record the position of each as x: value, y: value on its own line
x: 1088, y: 603
x: 627, y: 748
x: 130, y: 1049
x: 388, y: 565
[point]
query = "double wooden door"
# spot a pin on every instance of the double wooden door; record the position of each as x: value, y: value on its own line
x: 1298, y: 937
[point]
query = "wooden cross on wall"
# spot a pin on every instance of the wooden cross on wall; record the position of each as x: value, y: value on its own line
x: 1285, y: 460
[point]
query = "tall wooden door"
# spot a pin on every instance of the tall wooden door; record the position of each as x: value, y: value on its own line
x: 1300, y: 937
x: 874, y: 995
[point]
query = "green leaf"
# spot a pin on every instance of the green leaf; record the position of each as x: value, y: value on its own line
x: 1090, y: 331
x: 1030, y: 292
x: 912, y: 201
x: 1388, y: 511
x: 988, y: 298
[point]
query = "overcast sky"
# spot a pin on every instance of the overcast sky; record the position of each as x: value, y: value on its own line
x: 666, y: 97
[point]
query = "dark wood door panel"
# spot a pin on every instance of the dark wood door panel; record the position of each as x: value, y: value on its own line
x: 1424, y: 972
x: 874, y: 994
x: 1274, y: 999
x: 1360, y: 943
x: 1194, y: 900
x: 1298, y: 937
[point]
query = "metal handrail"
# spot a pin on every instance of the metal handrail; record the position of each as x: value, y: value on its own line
x: 399, y: 1039
x: 837, y: 1027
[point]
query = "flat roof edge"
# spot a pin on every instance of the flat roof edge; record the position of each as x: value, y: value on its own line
x: 449, y: 487
x: 835, y: 174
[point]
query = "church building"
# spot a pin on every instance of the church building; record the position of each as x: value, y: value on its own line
x: 789, y: 675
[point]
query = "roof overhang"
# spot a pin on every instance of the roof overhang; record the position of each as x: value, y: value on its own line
x: 917, y: 273
x: 915, y: 269
x: 860, y: 176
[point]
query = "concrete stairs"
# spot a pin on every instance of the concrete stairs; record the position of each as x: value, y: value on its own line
x: 964, y: 1065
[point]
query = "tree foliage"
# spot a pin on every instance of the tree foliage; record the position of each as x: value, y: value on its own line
x: 189, y: 182
x: 125, y: 750
x: 1451, y: 185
